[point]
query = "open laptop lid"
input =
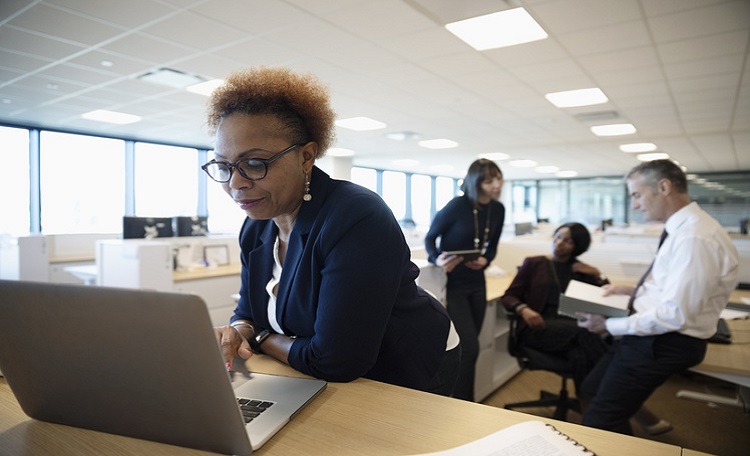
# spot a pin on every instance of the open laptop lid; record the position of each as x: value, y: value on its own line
x: 126, y: 362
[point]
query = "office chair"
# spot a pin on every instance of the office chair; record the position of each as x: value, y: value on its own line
x: 531, y: 359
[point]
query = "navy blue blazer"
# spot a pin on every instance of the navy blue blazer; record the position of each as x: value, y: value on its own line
x: 347, y: 291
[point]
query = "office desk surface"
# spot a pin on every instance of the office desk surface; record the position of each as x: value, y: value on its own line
x: 731, y: 358
x: 361, y: 417
x: 207, y: 273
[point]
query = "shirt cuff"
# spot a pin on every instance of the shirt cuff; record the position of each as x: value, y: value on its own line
x: 617, y: 326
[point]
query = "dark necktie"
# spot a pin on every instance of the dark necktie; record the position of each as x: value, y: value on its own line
x: 631, y: 310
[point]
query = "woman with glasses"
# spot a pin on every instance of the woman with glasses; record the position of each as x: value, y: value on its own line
x: 470, y: 222
x: 327, y: 282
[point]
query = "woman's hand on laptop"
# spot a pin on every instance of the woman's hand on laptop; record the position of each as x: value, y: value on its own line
x: 233, y: 343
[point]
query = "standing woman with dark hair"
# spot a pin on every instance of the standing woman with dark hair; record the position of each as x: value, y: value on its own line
x: 472, y: 221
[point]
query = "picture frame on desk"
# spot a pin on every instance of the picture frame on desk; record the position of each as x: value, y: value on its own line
x: 217, y: 255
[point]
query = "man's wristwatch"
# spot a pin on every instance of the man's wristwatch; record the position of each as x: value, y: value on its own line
x: 258, y: 339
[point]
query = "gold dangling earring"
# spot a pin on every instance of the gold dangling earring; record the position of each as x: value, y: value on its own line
x: 307, y: 196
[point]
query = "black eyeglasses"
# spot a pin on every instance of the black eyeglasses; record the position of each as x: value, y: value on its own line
x: 250, y: 168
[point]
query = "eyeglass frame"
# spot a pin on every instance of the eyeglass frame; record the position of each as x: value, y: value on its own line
x: 235, y: 165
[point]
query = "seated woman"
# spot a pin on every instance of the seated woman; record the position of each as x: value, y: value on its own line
x: 327, y: 282
x: 534, y: 295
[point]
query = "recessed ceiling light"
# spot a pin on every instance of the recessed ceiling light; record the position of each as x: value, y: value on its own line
x: 546, y: 169
x: 613, y: 129
x: 360, y: 124
x: 438, y: 143
x: 495, y: 156
x: 107, y: 63
x: 339, y: 152
x: 206, y: 87
x: 638, y: 147
x: 120, y: 118
x: 580, y: 97
x: 523, y: 163
x: 504, y: 28
x: 654, y: 156
x: 566, y: 174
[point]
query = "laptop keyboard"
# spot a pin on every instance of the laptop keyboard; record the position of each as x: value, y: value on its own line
x: 252, y: 408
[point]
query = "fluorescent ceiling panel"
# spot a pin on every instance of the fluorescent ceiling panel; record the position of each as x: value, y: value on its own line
x: 654, y: 156
x: 205, y: 88
x: 613, y: 129
x: 495, y: 156
x: 496, y: 30
x: 119, y: 118
x: 579, y: 97
x: 638, y: 147
x: 438, y: 143
x: 360, y: 124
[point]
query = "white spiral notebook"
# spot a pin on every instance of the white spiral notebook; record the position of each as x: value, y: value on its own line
x: 522, y: 439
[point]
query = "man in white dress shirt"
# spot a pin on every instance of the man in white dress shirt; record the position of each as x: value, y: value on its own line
x: 675, y: 310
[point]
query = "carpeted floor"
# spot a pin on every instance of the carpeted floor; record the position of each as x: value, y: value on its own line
x: 716, y: 429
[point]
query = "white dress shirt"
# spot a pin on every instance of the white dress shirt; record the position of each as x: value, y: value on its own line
x: 694, y: 273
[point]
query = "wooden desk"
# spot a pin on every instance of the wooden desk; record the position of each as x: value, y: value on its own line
x: 361, y: 417
x: 728, y: 362
x: 207, y: 273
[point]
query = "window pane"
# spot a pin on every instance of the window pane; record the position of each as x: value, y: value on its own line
x: 166, y: 180
x: 14, y: 180
x: 365, y: 177
x: 224, y: 216
x: 82, y: 183
x: 445, y: 190
x: 597, y: 199
x: 524, y: 201
x: 420, y: 200
x: 552, y: 201
x: 394, y: 192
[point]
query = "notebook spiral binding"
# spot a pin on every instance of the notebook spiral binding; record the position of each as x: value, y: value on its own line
x: 570, y: 439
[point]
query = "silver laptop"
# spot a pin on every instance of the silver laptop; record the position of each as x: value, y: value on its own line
x: 138, y: 363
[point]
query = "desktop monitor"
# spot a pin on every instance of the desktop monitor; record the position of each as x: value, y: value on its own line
x: 191, y: 226
x: 146, y: 227
x: 524, y: 228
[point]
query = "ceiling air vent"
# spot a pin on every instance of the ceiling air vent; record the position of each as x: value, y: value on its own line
x: 597, y: 116
x: 170, y: 78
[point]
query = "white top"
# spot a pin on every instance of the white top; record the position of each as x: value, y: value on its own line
x: 694, y: 273
x: 275, y: 277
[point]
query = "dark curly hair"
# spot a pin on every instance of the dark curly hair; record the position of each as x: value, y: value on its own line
x: 300, y: 101
x: 581, y: 238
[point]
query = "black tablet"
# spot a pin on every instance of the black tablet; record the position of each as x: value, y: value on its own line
x: 467, y: 254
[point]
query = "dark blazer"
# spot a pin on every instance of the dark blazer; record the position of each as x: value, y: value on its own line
x: 347, y: 290
x: 531, y: 285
